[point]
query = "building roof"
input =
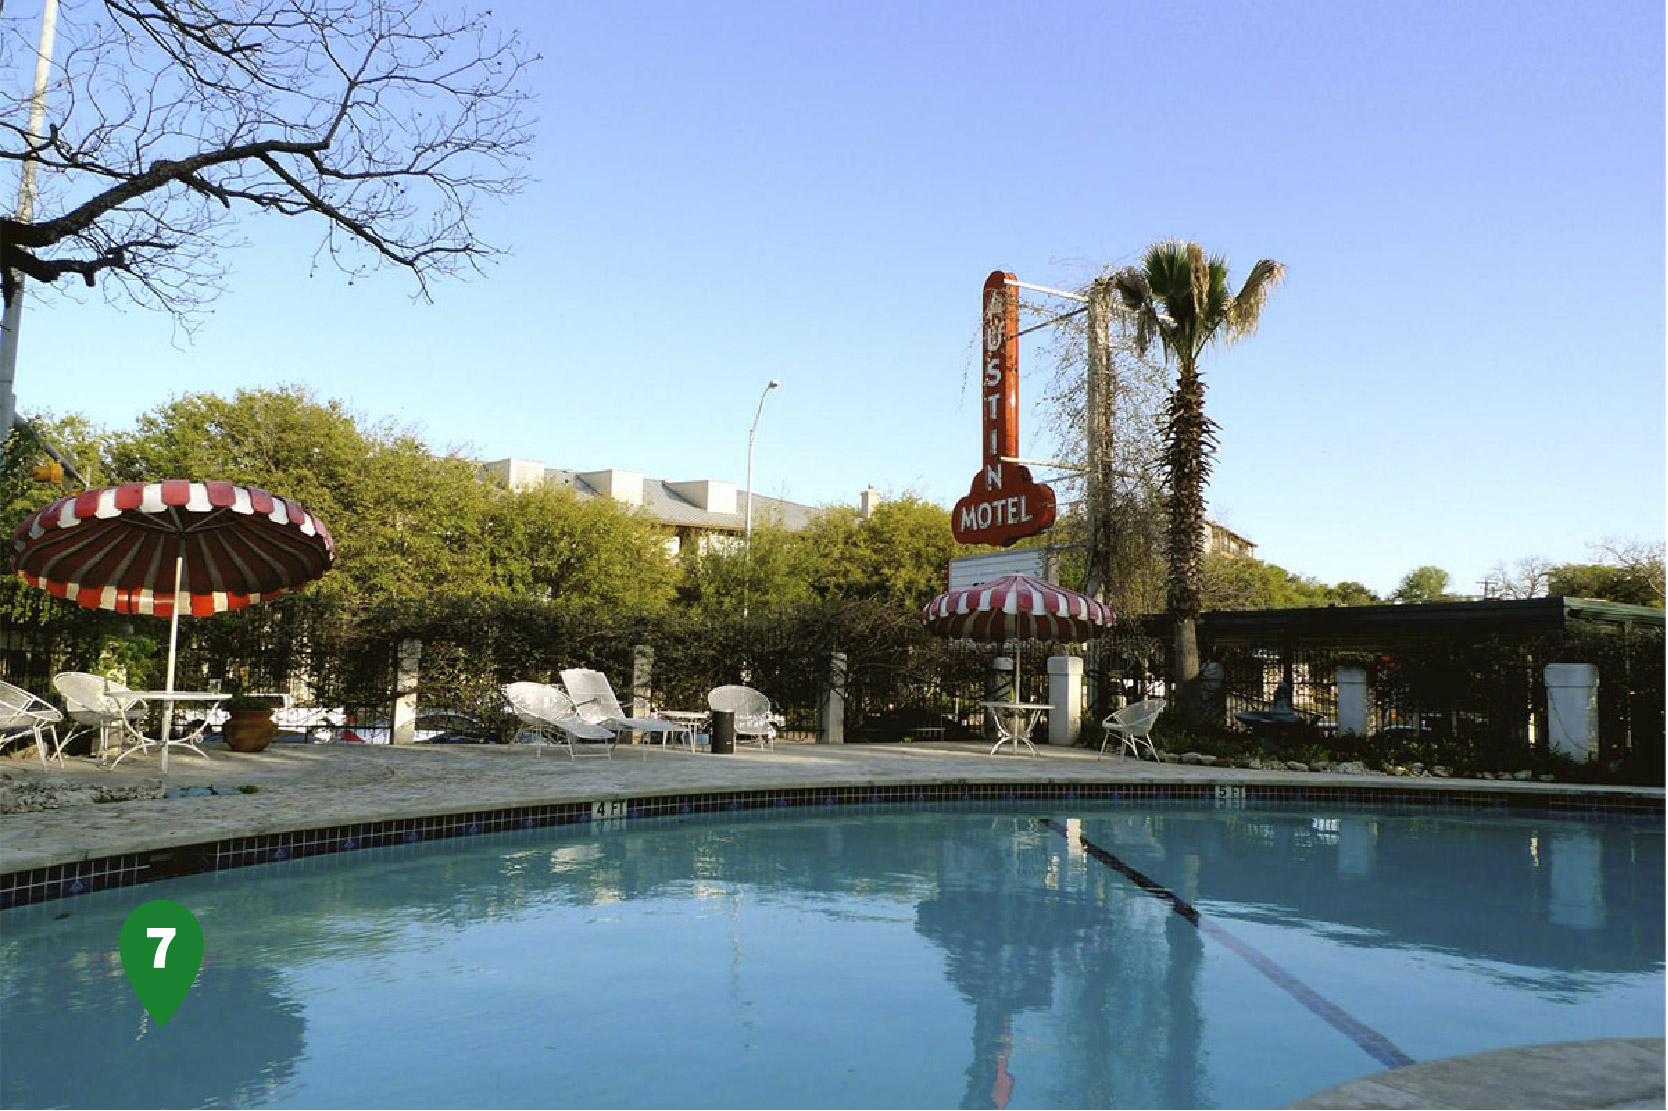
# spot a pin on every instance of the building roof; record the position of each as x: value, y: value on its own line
x: 664, y: 501
x: 1379, y: 624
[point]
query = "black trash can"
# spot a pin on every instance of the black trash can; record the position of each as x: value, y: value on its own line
x: 723, y: 731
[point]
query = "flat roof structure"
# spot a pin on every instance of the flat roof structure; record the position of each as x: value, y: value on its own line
x: 1368, y: 625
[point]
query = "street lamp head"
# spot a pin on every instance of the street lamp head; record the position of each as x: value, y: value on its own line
x: 773, y: 384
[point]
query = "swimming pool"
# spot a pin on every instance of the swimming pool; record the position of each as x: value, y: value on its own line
x: 1020, y: 955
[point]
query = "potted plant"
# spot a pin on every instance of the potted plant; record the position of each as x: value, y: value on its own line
x: 249, y: 726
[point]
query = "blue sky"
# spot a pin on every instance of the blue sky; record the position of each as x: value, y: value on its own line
x: 1464, y: 367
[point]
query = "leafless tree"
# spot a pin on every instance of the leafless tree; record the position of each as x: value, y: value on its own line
x: 1133, y: 518
x: 1526, y: 578
x: 1641, y: 558
x: 386, y: 121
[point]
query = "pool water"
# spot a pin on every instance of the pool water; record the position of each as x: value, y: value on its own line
x: 1045, y: 955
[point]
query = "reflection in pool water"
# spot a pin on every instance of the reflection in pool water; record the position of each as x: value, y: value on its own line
x: 978, y: 958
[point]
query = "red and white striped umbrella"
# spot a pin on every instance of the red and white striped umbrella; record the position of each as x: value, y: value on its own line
x: 1017, y: 607
x: 120, y: 547
x: 163, y: 548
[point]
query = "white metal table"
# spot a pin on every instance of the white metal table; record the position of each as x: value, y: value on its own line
x: 1021, y: 718
x: 138, y: 741
x: 690, y: 720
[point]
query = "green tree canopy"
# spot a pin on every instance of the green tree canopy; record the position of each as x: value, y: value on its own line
x: 1423, y: 584
x: 898, y: 553
x: 406, y: 522
x: 1244, y: 583
x: 1352, y: 594
x: 1605, y: 582
x: 551, y: 545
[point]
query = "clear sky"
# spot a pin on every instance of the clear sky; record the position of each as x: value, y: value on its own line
x: 1465, y: 365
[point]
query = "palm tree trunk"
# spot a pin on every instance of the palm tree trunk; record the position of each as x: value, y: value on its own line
x: 1184, y: 652
x: 1189, y: 442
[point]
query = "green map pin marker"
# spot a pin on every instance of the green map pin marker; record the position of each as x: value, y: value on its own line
x: 162, y: 949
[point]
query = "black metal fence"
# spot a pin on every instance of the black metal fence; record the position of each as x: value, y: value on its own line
x: 1473, y: 701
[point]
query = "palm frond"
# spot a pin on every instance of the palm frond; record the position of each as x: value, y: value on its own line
x: 1246, y: 309
x: 1198, y: 277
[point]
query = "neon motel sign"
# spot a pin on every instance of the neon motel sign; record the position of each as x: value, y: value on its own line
x: 1003, y: 505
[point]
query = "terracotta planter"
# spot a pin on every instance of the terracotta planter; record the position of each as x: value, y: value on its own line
x: 249, y: 730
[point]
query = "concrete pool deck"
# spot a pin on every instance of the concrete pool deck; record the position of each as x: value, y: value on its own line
x: 315, y: 786
x: 92, y: 812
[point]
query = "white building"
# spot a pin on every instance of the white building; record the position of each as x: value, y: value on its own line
x: 701, y: 511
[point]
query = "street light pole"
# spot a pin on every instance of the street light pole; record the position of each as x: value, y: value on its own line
x: 752, y: 435
x: 12, y: 318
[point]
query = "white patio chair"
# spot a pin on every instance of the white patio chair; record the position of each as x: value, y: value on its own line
x: 88, y: 702
x: 594, y: 700
x: 21, y: 710
x: 1134, y: 724
x: 546, y: 712
x: 755, y: 723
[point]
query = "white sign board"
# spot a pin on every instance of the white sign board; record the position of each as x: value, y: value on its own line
x: 1039, y: 563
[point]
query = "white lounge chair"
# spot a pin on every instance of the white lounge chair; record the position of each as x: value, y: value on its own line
x: 1134, y: 724
x: 548, y: 713
x: 594, y: 699
x: 755, y: 723
x: 21, y: 710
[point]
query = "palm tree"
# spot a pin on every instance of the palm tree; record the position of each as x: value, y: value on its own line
x: 1180, y: 298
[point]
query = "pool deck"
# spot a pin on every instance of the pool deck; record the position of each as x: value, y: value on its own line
x: 317, y: 786
x: 1615, y: 1073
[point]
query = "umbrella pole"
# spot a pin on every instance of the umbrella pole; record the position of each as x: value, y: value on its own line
x: 173, y: 647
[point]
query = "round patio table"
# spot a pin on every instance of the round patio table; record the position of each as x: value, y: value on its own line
x: 1014, y: 722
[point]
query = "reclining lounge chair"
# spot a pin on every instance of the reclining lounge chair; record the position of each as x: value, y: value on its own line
x: 594, y: 700
x: 546, y: 712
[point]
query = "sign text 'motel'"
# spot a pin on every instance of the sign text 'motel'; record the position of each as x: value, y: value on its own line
x: 1003, y: 504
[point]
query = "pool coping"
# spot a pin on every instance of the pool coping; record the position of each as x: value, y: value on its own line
x: 143, y: 845
x: 1609, y: 1072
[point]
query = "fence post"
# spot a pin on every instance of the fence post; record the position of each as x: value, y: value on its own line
x: 1065, y: 697
x: 408, y: 656
x: 642, y: 679
x: 831, y: 702
x: 1572, y: 710
x: 1355, y: 702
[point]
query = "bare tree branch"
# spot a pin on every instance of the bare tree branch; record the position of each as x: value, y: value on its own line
x: 385, y: 121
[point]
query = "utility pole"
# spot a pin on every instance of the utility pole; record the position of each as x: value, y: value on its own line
x: 13, y: 316
x: 1097, y: 422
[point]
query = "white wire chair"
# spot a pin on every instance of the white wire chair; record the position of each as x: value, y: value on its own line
x: 89, y: 705
x: 1133, y: 725
x: 755, y: 722
x: 21, y: 710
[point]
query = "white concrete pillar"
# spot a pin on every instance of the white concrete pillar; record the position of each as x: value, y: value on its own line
x: 1065, y: 699
x: 831, y: 702
x: 999, y: 687
x: 1572, y: 710
x: 642, y: 678
x: 409, y: 655
x: 1355, y: 702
